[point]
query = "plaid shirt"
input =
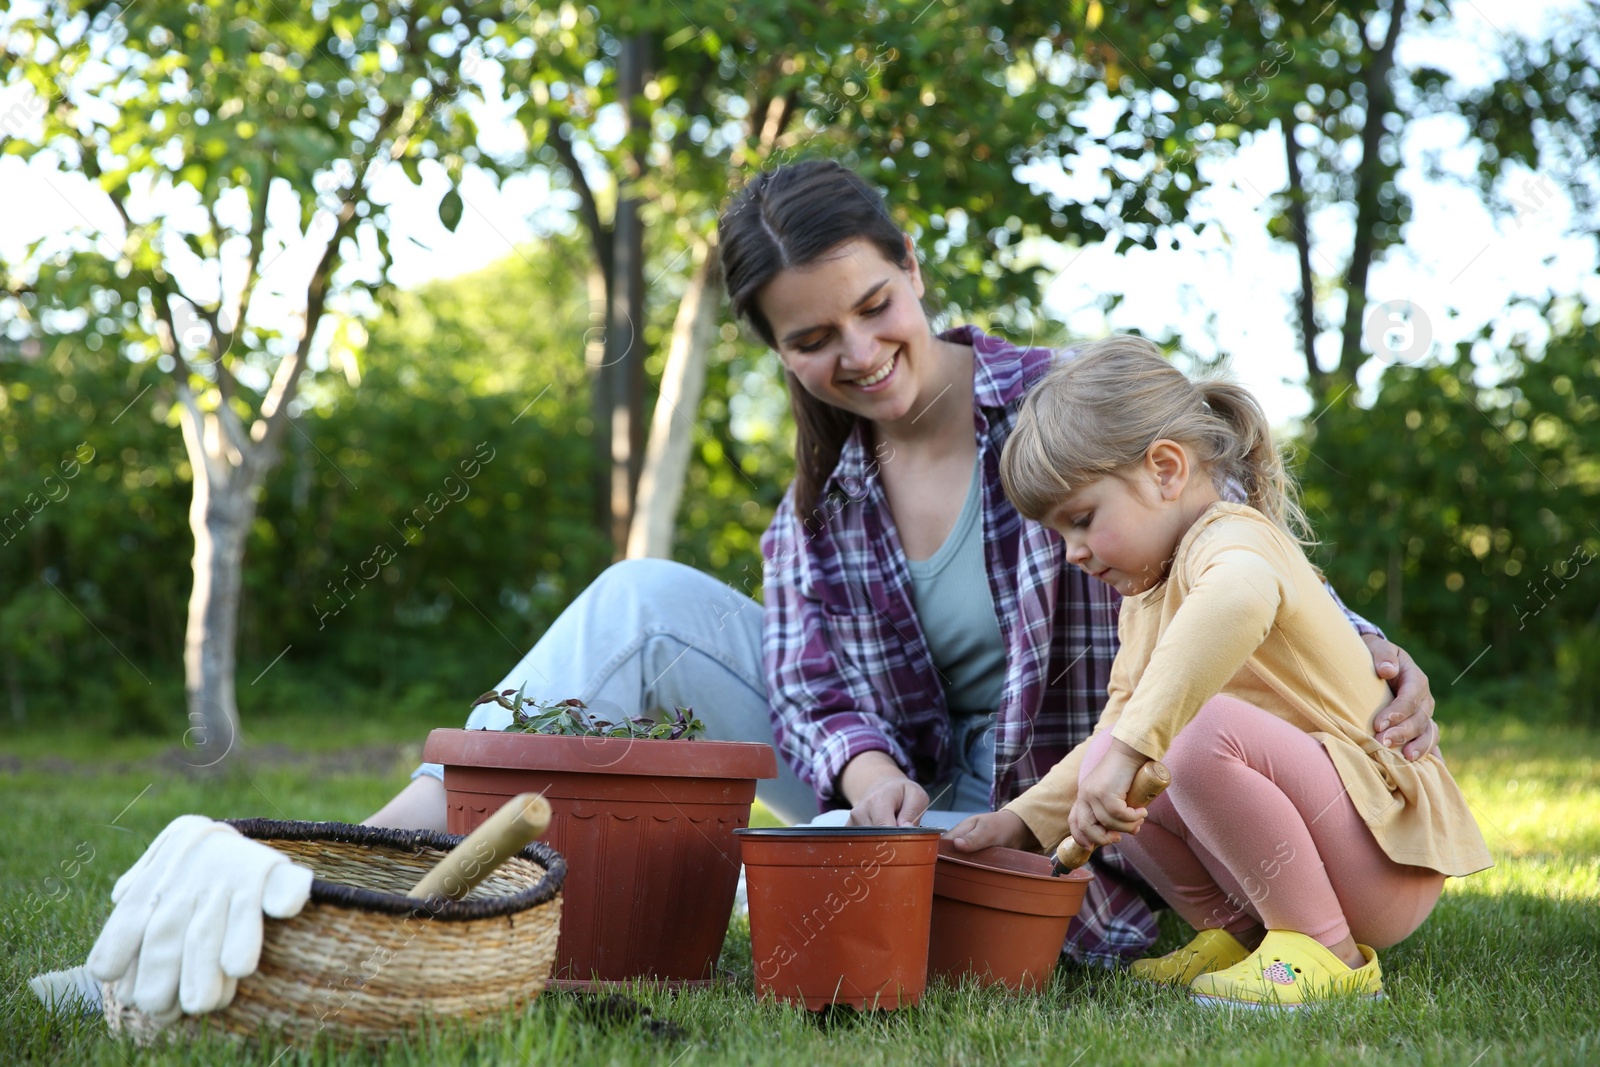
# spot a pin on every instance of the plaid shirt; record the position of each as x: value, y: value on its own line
x: 848, y: 668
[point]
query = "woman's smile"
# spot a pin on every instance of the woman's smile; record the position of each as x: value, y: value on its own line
x: 880, y: 375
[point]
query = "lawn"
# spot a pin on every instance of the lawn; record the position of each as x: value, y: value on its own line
x: 1507, y: 971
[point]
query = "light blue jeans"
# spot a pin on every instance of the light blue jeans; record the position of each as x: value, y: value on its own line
x: 650, y: 635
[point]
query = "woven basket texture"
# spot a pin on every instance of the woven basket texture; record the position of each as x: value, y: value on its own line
x: 363, y: 962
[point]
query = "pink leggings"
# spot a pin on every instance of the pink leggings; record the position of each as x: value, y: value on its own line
x: 1257, y: 830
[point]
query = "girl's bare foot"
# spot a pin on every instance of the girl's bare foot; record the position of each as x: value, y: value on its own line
x: 1251, y: 938
x: 1347, y: 951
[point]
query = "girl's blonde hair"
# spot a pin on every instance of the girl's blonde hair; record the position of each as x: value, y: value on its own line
x: 1099, y: 413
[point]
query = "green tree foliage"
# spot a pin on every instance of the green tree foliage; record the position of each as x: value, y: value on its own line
x: 93, y: 536
x: 442, y: 498
x: 1542, y: 110
x: 950, y: 107
x: 1460, y: 509
x: 229, y: 140
x: 425, y: 527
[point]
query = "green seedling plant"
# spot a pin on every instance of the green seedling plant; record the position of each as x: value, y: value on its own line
x: 572, y: 718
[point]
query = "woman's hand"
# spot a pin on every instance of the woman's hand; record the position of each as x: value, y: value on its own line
x: 1004, y: 829
x: 880, y: 793
x: 1407, y: 720
x: 1101, y: 815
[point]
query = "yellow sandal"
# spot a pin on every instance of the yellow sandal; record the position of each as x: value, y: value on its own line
x: 1291, y: 971
x: 1211, y: 950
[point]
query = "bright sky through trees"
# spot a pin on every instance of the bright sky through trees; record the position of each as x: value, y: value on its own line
x: 1229, y: 290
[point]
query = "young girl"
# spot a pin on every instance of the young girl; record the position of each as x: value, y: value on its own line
x: 1289, y: 837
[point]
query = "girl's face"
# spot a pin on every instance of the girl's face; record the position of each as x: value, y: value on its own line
x: 1124, y: 528
x: 850, y: 327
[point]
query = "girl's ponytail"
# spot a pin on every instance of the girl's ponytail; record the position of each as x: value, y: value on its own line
x: 1253, y: 459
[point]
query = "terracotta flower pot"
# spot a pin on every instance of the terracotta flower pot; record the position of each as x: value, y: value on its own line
x: 840, y: 915
x: 647, y: 830
x: 999, y: 915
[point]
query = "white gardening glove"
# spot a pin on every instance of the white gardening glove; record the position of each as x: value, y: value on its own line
x: 70, y: 991
x: 192, y: 916
x: 239, y: 879
x: 169, y: 844
x: 139, y: 890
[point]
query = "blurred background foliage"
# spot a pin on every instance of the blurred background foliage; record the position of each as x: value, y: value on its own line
x: 1464, y: 517
x: 1456, y: 501
x: 376, y: 469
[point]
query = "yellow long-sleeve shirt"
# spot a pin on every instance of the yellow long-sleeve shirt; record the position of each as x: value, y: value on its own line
x: 1243, y: 613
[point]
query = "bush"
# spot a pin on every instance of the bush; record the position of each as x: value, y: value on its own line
x: 1458, y: 515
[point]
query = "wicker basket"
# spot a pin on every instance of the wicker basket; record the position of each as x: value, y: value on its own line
x: 362, y: 961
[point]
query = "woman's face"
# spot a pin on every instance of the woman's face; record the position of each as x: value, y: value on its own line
x: 850, y: 327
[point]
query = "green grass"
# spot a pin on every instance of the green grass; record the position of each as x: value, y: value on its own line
x: 1507, y: 970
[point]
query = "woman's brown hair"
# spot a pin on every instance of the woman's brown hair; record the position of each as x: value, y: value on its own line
x: 790, y: 217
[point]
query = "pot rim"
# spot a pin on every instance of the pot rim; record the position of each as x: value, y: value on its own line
x: 959, y: 860
x: 655, y: 757
x: 799, y: 832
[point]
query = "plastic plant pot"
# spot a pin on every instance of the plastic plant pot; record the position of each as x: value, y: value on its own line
x: 1000, y: 917
x: 840, y: 915
x: 646, y: 827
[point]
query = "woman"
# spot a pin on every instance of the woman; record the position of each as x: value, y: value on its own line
x: 917, y: 634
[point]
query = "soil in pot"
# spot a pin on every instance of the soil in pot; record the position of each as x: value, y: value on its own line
x: 646, y: 827
x: 999, y: 916
x: 840, y: 915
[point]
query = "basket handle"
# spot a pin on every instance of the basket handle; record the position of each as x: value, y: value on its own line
x: 508, y: 831
x: 1148, y: 782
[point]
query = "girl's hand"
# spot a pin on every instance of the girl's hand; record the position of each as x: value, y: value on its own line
x: 1004, y: 829
x: 1407, y: 722
x: 1101, y: 814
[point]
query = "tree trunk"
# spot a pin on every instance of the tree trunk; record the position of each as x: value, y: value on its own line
x: 1302, y: 245
x: 625, y: 348
x: 597, y: 332
x: 1369, y: 179
x: 227, y: 471
x: 625, y: 367
x: 594, y: 354
x: 683, y: 380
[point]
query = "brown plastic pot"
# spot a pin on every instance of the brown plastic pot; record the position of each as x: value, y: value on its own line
x: 646, y: 827
x: 999, y: 916
x: 840, y: 915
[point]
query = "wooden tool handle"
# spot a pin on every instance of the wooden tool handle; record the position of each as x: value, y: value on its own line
x: 508, y: 831
x: 1148, y: 782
